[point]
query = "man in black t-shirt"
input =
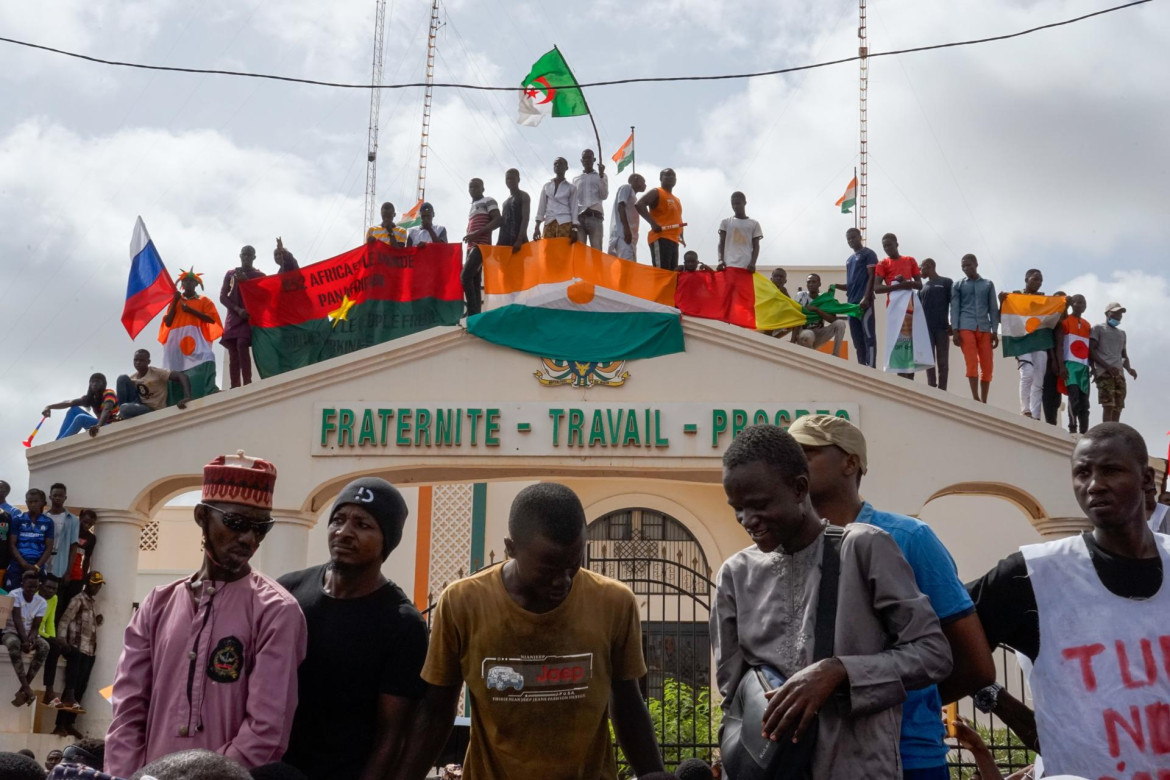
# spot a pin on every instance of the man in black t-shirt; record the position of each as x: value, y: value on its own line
x: 360, y: 678
x: 1062, y: 630
x: 936, y: 305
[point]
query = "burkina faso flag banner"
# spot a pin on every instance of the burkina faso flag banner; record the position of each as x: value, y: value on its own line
x: 363, y: 297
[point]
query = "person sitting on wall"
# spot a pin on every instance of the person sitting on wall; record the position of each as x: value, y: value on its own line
x: 99, y: 399
x: 145, y: 390
x: 22, y: 635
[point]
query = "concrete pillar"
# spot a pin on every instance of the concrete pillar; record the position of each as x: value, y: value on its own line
x: 286, y: 548
x: 116, y: 557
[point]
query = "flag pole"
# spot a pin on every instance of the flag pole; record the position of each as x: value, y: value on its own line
x: 855, y: 195
x: 581, y: 92
x: 634, y: 156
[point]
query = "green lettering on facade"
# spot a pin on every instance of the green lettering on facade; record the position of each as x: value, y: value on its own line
x: 576, y: 428
x: 345, y: 428
x: 402, y: 435
x: 491, y: 428
x: 327, y: 425
x: 760, y: 417
x: 597, y: 429
x: 422, y: 427
x: 843, y: 414
x: 783, y: 419
x: 614, y: 426
x: 368, y: 434
x: 718, y: 425
x: 659, y: 441
x: 385, y: 415
x: 556, y: 415
x: 473, y: 416
x: 738, y: 421
x: 631, y: 435
x: 443, y: 432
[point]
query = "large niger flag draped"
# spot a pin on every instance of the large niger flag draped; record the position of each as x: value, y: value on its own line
x: 571, y: 302
x: 1027, y: 322
x: 358, y: 299
x: 738, y: 296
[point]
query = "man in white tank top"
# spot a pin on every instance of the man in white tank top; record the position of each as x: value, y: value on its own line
x: 1092, y: 614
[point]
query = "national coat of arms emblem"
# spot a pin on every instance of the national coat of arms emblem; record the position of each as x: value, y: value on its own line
x: 577, y: 374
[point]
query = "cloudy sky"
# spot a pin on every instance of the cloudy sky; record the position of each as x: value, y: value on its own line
x: 1044, y: 151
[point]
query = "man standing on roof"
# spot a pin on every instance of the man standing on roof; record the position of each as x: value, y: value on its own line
x: 739, y: 237
x: 592, y: 190
x: 662, y: 211
x: 210, y: 661
x: 858, y: 287
x: 623, y: 225
x: 515, y: 213
x: 1109, y: 359
x: 236, y: 329
x: 385, y: 230
x: 482, y: 221
x: 975, y: 320
x: 426, y: 232
x: 557, y: 208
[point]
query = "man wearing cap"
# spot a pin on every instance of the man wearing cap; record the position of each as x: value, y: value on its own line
x: 210, y: 661
x: 77, y: 635
x: 1107, y: 357
x: 349, y: 726
x: 836, y: 453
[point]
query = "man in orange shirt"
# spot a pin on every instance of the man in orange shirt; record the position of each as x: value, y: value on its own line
x: 663, y: 213
x: 898, y: 272
x: 1072, y: 343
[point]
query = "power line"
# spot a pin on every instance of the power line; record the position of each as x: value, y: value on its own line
x: 614, y: 82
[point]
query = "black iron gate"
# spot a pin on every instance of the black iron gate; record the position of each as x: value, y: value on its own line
x: 659, y: 559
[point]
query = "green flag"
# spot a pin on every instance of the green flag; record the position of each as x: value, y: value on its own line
x: 550, y: 90
x: 828, y: 303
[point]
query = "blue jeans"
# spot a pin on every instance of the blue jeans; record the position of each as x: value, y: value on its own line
x: 129, y: 402
x: 864, y: 338
x: 76, y: 420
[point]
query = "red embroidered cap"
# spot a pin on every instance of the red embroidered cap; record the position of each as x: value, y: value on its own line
x: 239, y: 479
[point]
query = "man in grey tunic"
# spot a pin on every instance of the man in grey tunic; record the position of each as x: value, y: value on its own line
x: 887, y: 637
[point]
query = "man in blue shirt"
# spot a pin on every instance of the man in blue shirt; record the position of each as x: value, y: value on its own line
x: 30, y: 537
x: 858, y: 287
x: 836, y: 454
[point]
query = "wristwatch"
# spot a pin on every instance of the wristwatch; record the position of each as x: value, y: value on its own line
x: 986, y: 699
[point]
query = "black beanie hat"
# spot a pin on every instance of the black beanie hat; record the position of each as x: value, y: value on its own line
x: 383, y: 501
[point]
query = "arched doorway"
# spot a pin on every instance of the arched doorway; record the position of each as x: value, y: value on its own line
x: 662, y: 562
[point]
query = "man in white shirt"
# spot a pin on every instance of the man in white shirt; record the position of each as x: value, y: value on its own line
x: 558, y: 206
x: 428, y: 232
x: 623, y: 228
x: 22, y: 635
x: 739, y: 237
x: 592, y: 190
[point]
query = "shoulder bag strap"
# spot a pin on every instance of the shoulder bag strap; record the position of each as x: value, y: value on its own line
x: 826, y: 626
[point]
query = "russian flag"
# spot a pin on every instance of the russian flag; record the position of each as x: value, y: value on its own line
x: 149, y: 289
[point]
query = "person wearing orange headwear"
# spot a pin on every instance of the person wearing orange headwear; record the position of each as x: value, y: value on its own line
x: 187, y: 331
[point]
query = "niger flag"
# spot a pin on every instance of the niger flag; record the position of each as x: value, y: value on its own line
x: 363, y: 297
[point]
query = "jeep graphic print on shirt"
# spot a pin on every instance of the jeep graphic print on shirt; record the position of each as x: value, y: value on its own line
x: 538, y: 678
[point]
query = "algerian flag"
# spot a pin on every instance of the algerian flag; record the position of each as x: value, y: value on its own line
x: 847, y: 200
x: 550, y: 90
x: 625, y: 155
x: 407, y: 221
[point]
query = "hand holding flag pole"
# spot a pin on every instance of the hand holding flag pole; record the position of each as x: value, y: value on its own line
x: 28, y: 442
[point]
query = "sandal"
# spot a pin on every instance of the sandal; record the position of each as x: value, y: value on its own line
x: 56, y: 704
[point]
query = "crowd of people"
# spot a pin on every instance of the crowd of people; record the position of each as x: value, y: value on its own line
x: 966, y: 313
x: 847, y: 621
x: 47, y: 558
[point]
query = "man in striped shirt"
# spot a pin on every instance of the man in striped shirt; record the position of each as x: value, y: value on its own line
x: 482, y: 221
x: 385, y: 231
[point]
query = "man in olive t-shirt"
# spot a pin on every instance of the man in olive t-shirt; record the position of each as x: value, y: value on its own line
x: 544, y: 647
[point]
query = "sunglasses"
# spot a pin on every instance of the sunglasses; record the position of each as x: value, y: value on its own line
x: 239, y: 524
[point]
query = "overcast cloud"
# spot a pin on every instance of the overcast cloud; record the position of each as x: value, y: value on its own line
x: 1045, y: 151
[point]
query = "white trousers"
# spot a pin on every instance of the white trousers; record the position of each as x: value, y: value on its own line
x: 1033, y: 366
